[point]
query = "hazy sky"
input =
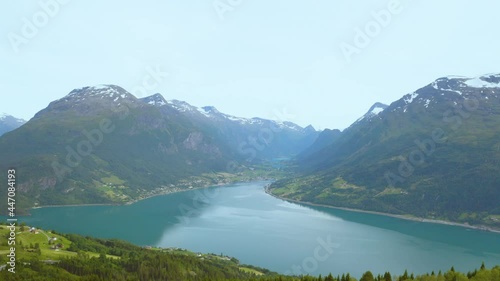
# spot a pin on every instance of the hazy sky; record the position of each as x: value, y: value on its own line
x: 303, y: 61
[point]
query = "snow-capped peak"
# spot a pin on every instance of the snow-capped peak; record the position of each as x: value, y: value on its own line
x: 374, y: 110
x: 452, y: 82
x: 377, y: 109
x: 102, y: 91
x: 181, y: 106
x: 4, y: 117
x: 485, y: 81
x: 156, y: 100
x: 210, y: 109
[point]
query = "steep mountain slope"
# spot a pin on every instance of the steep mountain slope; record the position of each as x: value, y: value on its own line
x: 250, y: 139
x: 101, y: 144
x: 326, y: 138
x: 433, y: 153
x: 9, y: 123
x: 373, y: 112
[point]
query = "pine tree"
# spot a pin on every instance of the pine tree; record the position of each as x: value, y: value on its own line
x: 329, y: 278
x: 367, y: 276
x: 404, y: 276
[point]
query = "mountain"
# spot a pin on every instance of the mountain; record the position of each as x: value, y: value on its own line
x: 373, y: 112
x: 433, y: 153
x: 9, y: 123
x: 325, y: 139
x: 250, y: 138
x: 101, y: 144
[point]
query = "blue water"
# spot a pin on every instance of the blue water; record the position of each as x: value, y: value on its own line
x: 243, y: 221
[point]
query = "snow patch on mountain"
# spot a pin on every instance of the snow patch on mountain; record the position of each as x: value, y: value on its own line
x: 158, y: 103
x: 481, y: 82
x: 241, y: 120
x: 377, y: 110
x: 10, y: 121
x: 410, y: 97
x: 155, y: 100
x: 212, y: 112
x: 181, y: 106
x: 101, y: 91
x: 203, y: 111
x: 374, y: 110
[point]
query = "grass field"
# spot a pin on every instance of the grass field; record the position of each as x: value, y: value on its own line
x: 28, y: 242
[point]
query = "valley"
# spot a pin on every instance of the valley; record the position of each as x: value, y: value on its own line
x: 416, y: 180
x: 431, y: 154
x: 230, y: 140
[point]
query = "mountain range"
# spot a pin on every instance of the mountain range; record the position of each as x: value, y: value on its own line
x: 434, y: 153
x: 101, y: 144
x: 9, y: 123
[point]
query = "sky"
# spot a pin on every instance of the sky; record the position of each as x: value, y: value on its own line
x: 318, y: 62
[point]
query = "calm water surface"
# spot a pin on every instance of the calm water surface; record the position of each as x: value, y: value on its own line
x: 243, y: 221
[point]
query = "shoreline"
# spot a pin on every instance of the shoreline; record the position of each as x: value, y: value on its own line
x: 166, y: 192
x: 75, y: 205
x: 267, y: 191
x: 404, y: 217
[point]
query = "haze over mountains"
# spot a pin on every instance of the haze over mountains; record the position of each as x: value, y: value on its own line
x: 9, y: 123
x: 433, y: 153
x: 101, y: 144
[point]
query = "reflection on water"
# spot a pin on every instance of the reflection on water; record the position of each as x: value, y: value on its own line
x: 243, y: 221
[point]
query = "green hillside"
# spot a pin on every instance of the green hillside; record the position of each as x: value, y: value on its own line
x: 102, y: 145
x: 434, y: 154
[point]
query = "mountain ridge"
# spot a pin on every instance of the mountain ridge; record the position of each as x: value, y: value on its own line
x: 101, y: 144
x: 9, y: 123
x: 432, y: 153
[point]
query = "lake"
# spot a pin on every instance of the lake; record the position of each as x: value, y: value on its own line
x: 241, y: 220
